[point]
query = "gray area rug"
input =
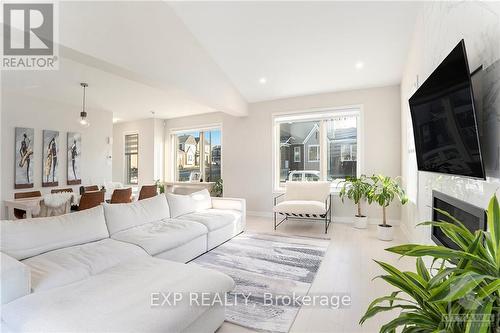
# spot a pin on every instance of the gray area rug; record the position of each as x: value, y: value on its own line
x: 261, y: 264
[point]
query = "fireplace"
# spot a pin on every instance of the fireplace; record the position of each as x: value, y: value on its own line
x: 472, y: 217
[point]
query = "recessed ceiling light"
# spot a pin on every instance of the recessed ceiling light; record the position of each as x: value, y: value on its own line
x: 263, y: 80
x: 360, y: 65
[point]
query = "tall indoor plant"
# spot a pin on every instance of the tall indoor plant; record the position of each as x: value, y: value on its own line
x: 383, y: 191
x: 459, y: 293
x: 356, y: 189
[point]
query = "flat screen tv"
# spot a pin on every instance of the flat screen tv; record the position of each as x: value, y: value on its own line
x: 444, y: 120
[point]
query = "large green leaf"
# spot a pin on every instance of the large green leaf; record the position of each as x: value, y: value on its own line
x: 456, y: 287
x: 422, y: 270
x: 493, y: 216
x: 475, y: 325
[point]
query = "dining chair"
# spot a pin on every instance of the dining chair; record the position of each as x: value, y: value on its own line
x: 90, y: 188
x: 19, y: 213
x: 62, y: 190
x: 91, y: 199
x: 147, y: 191
x: 123, y: 195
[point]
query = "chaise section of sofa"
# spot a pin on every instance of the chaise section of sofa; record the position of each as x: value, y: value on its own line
x: 121, y: 299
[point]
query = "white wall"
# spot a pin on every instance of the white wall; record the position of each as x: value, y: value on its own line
x: 20, y: 110
x: 151, y: 149
x: 440, y: 26
x: 247, y: 143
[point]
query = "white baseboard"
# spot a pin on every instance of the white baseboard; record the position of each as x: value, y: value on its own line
x: 259, y: 214
x: 335, y: 219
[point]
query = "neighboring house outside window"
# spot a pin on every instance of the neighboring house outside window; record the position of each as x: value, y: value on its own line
x: 198, y: 155
x: 132, y: 158
x: 314, y: 146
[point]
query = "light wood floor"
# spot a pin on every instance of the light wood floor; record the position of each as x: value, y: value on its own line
x: 347, y: 268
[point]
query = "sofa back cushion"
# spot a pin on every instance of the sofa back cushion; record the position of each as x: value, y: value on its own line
x: 180, y: 204
x: 125, y: 216
x: 313, y: 191
x: 202, y: 200
x: 26, y: 238
x: 184, y: 204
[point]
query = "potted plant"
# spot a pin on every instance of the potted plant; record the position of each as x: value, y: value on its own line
x: 160, y: 186
x: 218, y: 188
x: 459, y: 292
x: 383, y: 191
x: 356, y: 189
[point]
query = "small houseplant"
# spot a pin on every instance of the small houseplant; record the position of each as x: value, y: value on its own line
x: 356, y: 189
x: 383, y: 191
x: 160, y: 186
x: 218, y: 188
x: 460, y: 292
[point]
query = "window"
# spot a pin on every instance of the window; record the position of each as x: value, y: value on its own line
x: 296, y: 154
x: 131, y: 158
x: 313, y: 153
x: 328, y: 142
x: 198, y: 155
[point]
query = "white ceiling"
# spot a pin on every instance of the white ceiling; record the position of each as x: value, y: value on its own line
x: 303, y: 47
x: 137, y: 57
x: 185, y: 58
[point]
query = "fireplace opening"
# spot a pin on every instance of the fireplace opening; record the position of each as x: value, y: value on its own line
x: 472, y: 217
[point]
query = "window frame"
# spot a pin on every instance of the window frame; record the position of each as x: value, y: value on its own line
x: 312, y: 115
x: 174, y: 171
x: 318, y: 154
x: 125, y: 155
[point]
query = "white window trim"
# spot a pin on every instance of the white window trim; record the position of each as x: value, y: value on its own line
x: 317, y: 114
x: 317, y: 155
x: 173, y: 149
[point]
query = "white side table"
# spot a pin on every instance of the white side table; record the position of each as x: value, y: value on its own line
x: 29, y: 205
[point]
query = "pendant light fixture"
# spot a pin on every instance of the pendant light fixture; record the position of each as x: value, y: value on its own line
x: 83, y: 115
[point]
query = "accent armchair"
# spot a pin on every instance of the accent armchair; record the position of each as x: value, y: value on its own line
x: 304, y: 200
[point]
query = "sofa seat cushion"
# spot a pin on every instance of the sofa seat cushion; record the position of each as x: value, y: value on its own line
x: 71, y: 264
x: 159, y: 236
x: 214, y: 219
x: 301, y: 207
x: 120, y: 299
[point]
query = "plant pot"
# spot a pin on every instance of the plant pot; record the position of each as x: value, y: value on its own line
x: 385, y: 232
x: 360, y: 222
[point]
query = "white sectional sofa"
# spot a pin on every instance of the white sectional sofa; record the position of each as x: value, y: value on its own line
x: 96, y: 270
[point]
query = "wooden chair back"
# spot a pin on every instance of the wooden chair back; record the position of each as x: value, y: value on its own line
x: 25, y: 195
x: 121, y: 195
x: 91, y: 199
x: 147, y: 191
x: 90, y: 188
x: 62, y: 190
x: 19, y: 213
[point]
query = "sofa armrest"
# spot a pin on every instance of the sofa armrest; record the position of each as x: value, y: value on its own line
x: 234, y: 204
x: 15, y: 279
x: 229, y: 203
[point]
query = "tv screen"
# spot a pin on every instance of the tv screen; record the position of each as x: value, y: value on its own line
x: 444, y: 120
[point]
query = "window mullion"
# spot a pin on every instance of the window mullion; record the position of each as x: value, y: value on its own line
x: 323, y: 150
